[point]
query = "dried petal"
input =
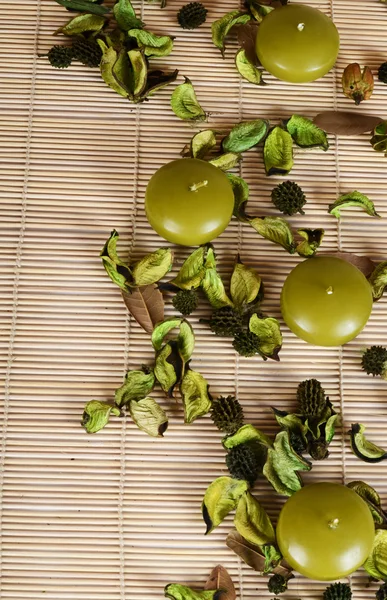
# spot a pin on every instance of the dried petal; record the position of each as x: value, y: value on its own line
x: 252, y: 521
x: 241, y: 196
x: 221, y: 27
x: 245, y: 135
x: 109, y: 58
x: 139, y: 72
x: 378, y: 280
x: 149, y: 416
x: 202, y: 143
x: 247, y: 69
x: 137, y: 385
x: 278, y: 152
x: 84, y: 6
x: 153, y: 45
x: 152, y: 267
x: 365, y: 450
x: 268, y: 331
x: 194, y: 392
x: 246, y: 434
x: 221, y: 497
x: 96, y: 415
x: 193, y: 270
x: 118, y: 271
x: 312, y: 239
x: 125, y: 15
x: 357, y: 84
x: 345, y: 123
x: 306, y: 134
x: 82, y: 23
x: 184, y: 103
x: 245, y: 285
x: 283, y: 464
x: 226, y: 161
x: 275, y: 229
x: 122, y: 72
x: 352, y: 199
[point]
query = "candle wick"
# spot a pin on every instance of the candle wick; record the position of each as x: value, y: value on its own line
x: 301, y: 26
x: 196, y: 186
x: 329, y: 290
x: 333, y: 524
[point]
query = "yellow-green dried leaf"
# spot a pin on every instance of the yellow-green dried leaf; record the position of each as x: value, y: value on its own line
x: 108, y: 60
x: 158, y: 80
x: 364, y: 449
x: 175, y: 591
x: 312, y: 239
x: 202, y: 143
x: 293, y: 423
x: 152, y: 267
x: 213, y: 287
x: 84, y: 6
x: 275, y: 229
x: 247, y: 69
x: 246, y: 434
x: 372, y: 498
x: 221, y: 27
x: 137, y: 385
x: 139, y: 70
x: 153, y: 45
x: 278, y: 152
x: 123, y: 73
x: 352, y: 199
x: 186, y: 340
x: 125, y: 15
x: 306, y: 134
x: 82, y: 23
x: 283, y: 464
x: 330, y: 427
x: 268, y: 331
x: 221, y: 497
x: 226, y: 161
x: 241, y: 196
x: 149, y: 416
x: 378, y: 280
x: 169, y: 367
x: 162, y: 329
x: 259, y: 11
x: 245, y: 135
x: 184, y: 103
x: 118, y: 271
x: 96, y: 415
x: 192, y: 271
x: 194, y: 392
x: 376, y: 563
x: 379, y: 137
x: 245, y: 285
x: 252, y: 521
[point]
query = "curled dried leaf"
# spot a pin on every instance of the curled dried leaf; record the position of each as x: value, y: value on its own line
x: 82, y: 24
x: 312, y: 239
x: 162, y: 329
x: 152, y: 267
x: 364, y: 449
x: 283, y: 465
x: 246, y: 434
x: 193, y: 270
x: 245, y: 135
x: 268, y: 331
x: 258, y: 10
x: 212, y: 284
x: 175, y: 591
x: 378, y: 280
x: 363, y: 263
x: 278, y: 152
x: 96, y: 415
x: 221, y: 27
x: 220, y: 579
x: 247, y: 35
x: 158, y: 80
x: 245, y: 285
x: 184, y: 103
x: 118, y: 271
x: 357, y: 84
x: 247, y: 69
x: 137, y: 385
x: 353, y: 199
x: 202, y: 143
x: 372, y: 498
x: 306, y: 134
x: 186, y: 340
x: 345, y: 123
x: 226, y: 161
x: 263, y: 560
x: 139, y: 73
x: 221, y: 497
x: 241, y: 196
x: 146, y: 305
x: 152, y: 44
x: 252, y: 521
x: 169, y: 367
x: 194, y: 391
x: 86, y: 6
x: 379, y: 137
x: 275, y: 229
x: 125, y: 15
x: 108, y: 61
x: 376, y: 563
x: 149, y: 416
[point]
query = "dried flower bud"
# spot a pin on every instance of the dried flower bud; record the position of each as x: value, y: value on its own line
x: 357, y: 84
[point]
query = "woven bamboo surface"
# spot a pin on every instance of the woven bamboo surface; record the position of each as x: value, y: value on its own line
x: 117, y: 515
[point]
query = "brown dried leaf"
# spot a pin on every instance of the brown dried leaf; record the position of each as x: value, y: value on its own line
x: 363, y: 263
x: 220, y: 579
x: 345, y: 123
x: 146, y: 305
x: 251, y: 554
x: 246, y: 35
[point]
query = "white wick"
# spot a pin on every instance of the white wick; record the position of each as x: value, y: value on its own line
x: 329, y: 290
x: 301, y: 26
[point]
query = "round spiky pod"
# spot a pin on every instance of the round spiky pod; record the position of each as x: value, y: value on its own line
x: 381, y: 594
x: 288, y: 197
x: 382, y: 72
x: 338, y: 591
x: 311, y: 398
x: 246, y: 343
x: 185, y: 301
x: 374, y: 360
x: 227, y: 414
x: 192, y: 15
x: 60, y: 57
x: 243, y: 463
x: 226, y: 321
x: 87, y: 52
x: 277, y: 584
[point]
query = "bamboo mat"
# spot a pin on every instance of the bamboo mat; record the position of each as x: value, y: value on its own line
x: 117, y: 515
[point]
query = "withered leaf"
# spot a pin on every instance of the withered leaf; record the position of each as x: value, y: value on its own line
x: 363, y: 263
x: 149, y: 416
x: 247, y: 69
x: 246, y: 35
x: 185, y: 104
x: 251, y: 554
x: 84, y: 6
x: 146, y: 305
x: 278, y: 152
x: 221, y: 27
x: 378, y: 280
x: 345, y: 123
x: 82, y: 23
x: 220, y: 579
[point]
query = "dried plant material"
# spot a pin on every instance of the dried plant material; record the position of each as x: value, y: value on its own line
x: 263, y: 560
x: 378, y: 280
x: 137, y: 385
x: 139, y: 74
x: 86, y: 6
x: 252, y: 521
x: 118, y: 271
x: 357, y: 84
x: 185, y: 340
x: 247, y: 35
x: 146, y: 305
x: 184, y: 103
x: 363, y: 263
x: 241, y: 196
x: 306, y: 134
x: 221, y: 27
x: 193, y: 270
x: 278, y: 152
x: 125, y: 15
x: 245, y: 135
x: 245, y: 435
x: 376, y: 563
x: 108, y: 62
x: 226, y: 161
x: 157, y: 80
x: 96, y: 415
x: 268, y: 331
x: 245, y: 285
x: 169, y: 368
x: 221, y: 497
x: 345, y: 123
x: 354, y: 198
x: 275, y: 229
x: 153, y: 45
x: 259, y: 10
x: 364, y: 449
x: 220, y: 579
x: 152, y: 267
x: 212, y: 284
x: 194, y: 391
x: 149, y: 416
x: 247, y: 69
x: 372, y: 498
x: 283, y: 465
x: 202, y: 143
x: 162, y: 330
x: 81, y: 24
x: 312, y: 239
x: 120, y: 70
x: 379, y: 137
x: 175, y: 591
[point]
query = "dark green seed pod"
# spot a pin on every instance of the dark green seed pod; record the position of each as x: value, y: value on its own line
x: 192, y: 15
x: 185, y: 301
x: 338, y: 591
x: 382, y: 72
x: 311, y: 398
x: 277, y: 584
x: 246, y: 343
x: 243, y: 463
x: 87, y: 52
x: 288, y: 197
x: 226, y: 322
x: 374, y: 360
x: 60, y: 57
x: 227, y: 414
x: 381, y: 594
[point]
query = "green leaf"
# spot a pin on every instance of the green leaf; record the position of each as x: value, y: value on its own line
x: 118, y: 271
x: 330, y: 427
x: 272, y: 559
x: 365, y: 450
x: 282, y: 466
x: 259, y: 11
x: 226, y: 161
x: 379, y: 137
x: 137, y: 385
x: 221, y: 497
x: 158, y: 80
x: 252, y: 521
x: 82, y: 23
x: 245, y: 135
x: 184, y: 103
x: 169, y: 367
x: 202, y: 143
x: 263, y: 559
x: 152, y: 267
x: 372, y: 498
x: 278, y: 152
x: 246, y: 434
x: 186, y: 340
x: 312, y: 239
x: 108, y: 61
x: 125, y: 16
x: 306, y: 134
x: 221, y: 27
x: 153, y: 45
x: 96, y: 415
x: 175, y: 591
x: 192, y: 271
x: 247, y: 69
x: 149, y: 416
x: 212, y: 284
x: 122, y: 73
x: 84, y: 6
x: 352, y: 199
x: 275, y: 229
x: 139, y: 71
x: 245, y: 285
x: 241, y: 196
x: 376, y: 563
x: 268, y: 331
x: 162, y: 329
x: 378, y: 280
x: 194, y: 392
x: 291, y: 422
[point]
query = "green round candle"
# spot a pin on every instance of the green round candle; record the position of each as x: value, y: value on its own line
x: 189, y: 201
x: 297, y: 43
x: 325, y: 531
x: 326, y: 301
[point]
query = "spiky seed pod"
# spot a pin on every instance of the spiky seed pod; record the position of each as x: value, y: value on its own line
x: 192, y: 15
x: 338, y: 591
x: 297, y: 442
x: 243, y: 463
x: 60, y: 57
x: 185, y: 301
x: 277, y: 584
x: 311, y: 398
x: 374, y: 360
x: 226, y: 321
x: 381, y: 594
x: 246, y: 343
x: 382, y: 72
x: 288, y: 197
x: 227, y: 414
x: 87, y: 52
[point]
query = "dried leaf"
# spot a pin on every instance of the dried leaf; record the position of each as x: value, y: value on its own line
x: 212, y: 284
x: 268, y: 331
x: 258, y: 10
x: 364, y: 449
x: 184, y: 103
x: 376, y: 563
x: 221, y: 27
x: 149, y: 416
x: 84, y: 6
x: 125, y: 15
x: 312, y: 239
x: 254, y: 556
x: 220, y: 579
x: 352, y: 199
x: 152, y: 267
x: 241, y: 196
x: 247, y: 34
x: 169, y: 367
x: 193, y: 270
x: 221, y: 497
x: 146, y: 305
x: 275, y: 229
x: 202, y: 143
x: 345, y: 123
x: 108, y: 61
x: 194, y: 392
x: 252, y: 521
x: 245, y: 135
x: 153, y: 45
x: 278, y: 152
x: 247, y: 69
x: 162, y: 329
x: 283, y: 465
x: 158, y: 80
x: 96, y: 415
x: 186, y: 340
x: 379, y: 137
x: 363, y: 263
x: 245, y: 285
x: 293, y: 423
x: 81, y: 24
x: 122, y: 72
x: 357, y: 84
x: 137, y: 385
x: 118, y: 271
x: 372, y: 498
x: 246, y: 434
x: 306, y: 134
x: 378, y: 280
x: 226, y: 161
x: 175, y: 591
x: 140, y: 72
